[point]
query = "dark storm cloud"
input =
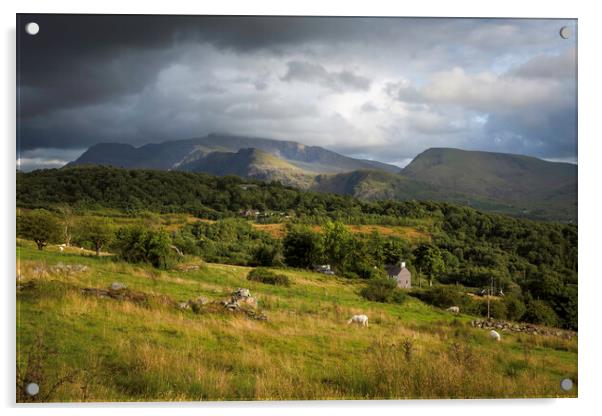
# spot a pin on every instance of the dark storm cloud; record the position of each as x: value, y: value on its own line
x: 81, y: 59
x: 382, y: 88
x: 78, y: 60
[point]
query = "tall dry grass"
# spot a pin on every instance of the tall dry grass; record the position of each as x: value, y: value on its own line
x: 120, y: 350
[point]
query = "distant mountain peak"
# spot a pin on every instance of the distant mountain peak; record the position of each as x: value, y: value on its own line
x: 172, y: 154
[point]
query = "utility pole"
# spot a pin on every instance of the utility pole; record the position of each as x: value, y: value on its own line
x: 489, y: 299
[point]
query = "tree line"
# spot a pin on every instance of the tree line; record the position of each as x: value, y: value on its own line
x: 534, y: 264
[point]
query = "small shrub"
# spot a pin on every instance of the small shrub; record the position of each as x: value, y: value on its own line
x: 407, y: 345
x: 444, y: 297
x: 516, y: 368
x: 268, y: 255
x: 266, y: 276
x: 539, y: 312
x: 383, y: 290
x: 366, y: 271
x: 515, y: 306
x: 463, y: 355
x: 349, y: 275
x: 497, y: 309
x: 196, y: 307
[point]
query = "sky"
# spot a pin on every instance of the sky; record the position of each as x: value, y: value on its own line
x: 377, y: 88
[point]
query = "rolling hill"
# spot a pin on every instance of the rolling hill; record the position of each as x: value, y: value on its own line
x: 533, y: 185
x: 372, y: 185
x: 496, y: 175
x: 512, y: 184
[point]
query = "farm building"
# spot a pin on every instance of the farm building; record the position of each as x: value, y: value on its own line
x: 400, y: 273
x: 324, y: 268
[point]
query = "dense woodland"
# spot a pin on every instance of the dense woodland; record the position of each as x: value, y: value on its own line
x: 533, y: 263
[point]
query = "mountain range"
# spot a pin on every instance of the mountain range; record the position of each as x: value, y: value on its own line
x: 508, y: 183
x: 173, y: 154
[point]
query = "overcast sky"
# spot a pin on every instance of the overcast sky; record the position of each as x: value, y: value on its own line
x: 376, y: 88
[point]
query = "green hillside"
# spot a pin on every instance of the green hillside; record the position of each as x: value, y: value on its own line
x: 533, y: 185
x: 511, y: 184
x: 249, y: 163
x: 537, y: 260
x: 368, y: 184
x: 374, y: 185
x: 140, y: 346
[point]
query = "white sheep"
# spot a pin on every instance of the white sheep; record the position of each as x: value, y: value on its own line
x: 61, y: 248
x: 453, y: 309
x: 494, y: 335
x: 358, y: 319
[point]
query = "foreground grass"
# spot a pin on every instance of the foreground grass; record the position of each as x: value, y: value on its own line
x: 97, y: 349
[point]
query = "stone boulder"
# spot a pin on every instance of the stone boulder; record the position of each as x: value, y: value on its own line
x: 241, y: 293
x: 250, y: 302
x: 240, y: 302
x: 117, y: 286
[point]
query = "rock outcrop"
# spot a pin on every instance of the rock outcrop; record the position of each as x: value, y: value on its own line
x: 521, y: 327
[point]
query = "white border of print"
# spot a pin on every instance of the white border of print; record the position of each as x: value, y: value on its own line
x: 590, y: 136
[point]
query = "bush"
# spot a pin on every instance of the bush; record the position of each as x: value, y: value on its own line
x: 141, y: 245
x: 185, y: 242
x: 365, y: 271
x: 268, y: 255
x: 232, y: 241
x: 446, y: 296
x: 497, y: 309
x: 440, y: 296
x: 266, y: 276
x: 383, y: 290
x: 539, y: 312
x: 515, y: 306
x: 350, y: 275
x: 303, y: 247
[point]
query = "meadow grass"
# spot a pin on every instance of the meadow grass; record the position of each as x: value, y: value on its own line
x: 102, y: 349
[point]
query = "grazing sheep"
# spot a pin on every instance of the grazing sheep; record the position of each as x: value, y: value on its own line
x: 453, y: 309
x: 358, y: 319
x: 61, y: 248
x: 494, y: 335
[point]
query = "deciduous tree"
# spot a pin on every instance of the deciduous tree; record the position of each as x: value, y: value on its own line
x: 40, y: 226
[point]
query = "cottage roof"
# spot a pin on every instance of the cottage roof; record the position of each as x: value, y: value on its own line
x: 394, y: 269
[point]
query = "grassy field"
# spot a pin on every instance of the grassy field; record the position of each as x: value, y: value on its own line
x: 174, y: 222
x: 410, y: 234
x: 85, y: 348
